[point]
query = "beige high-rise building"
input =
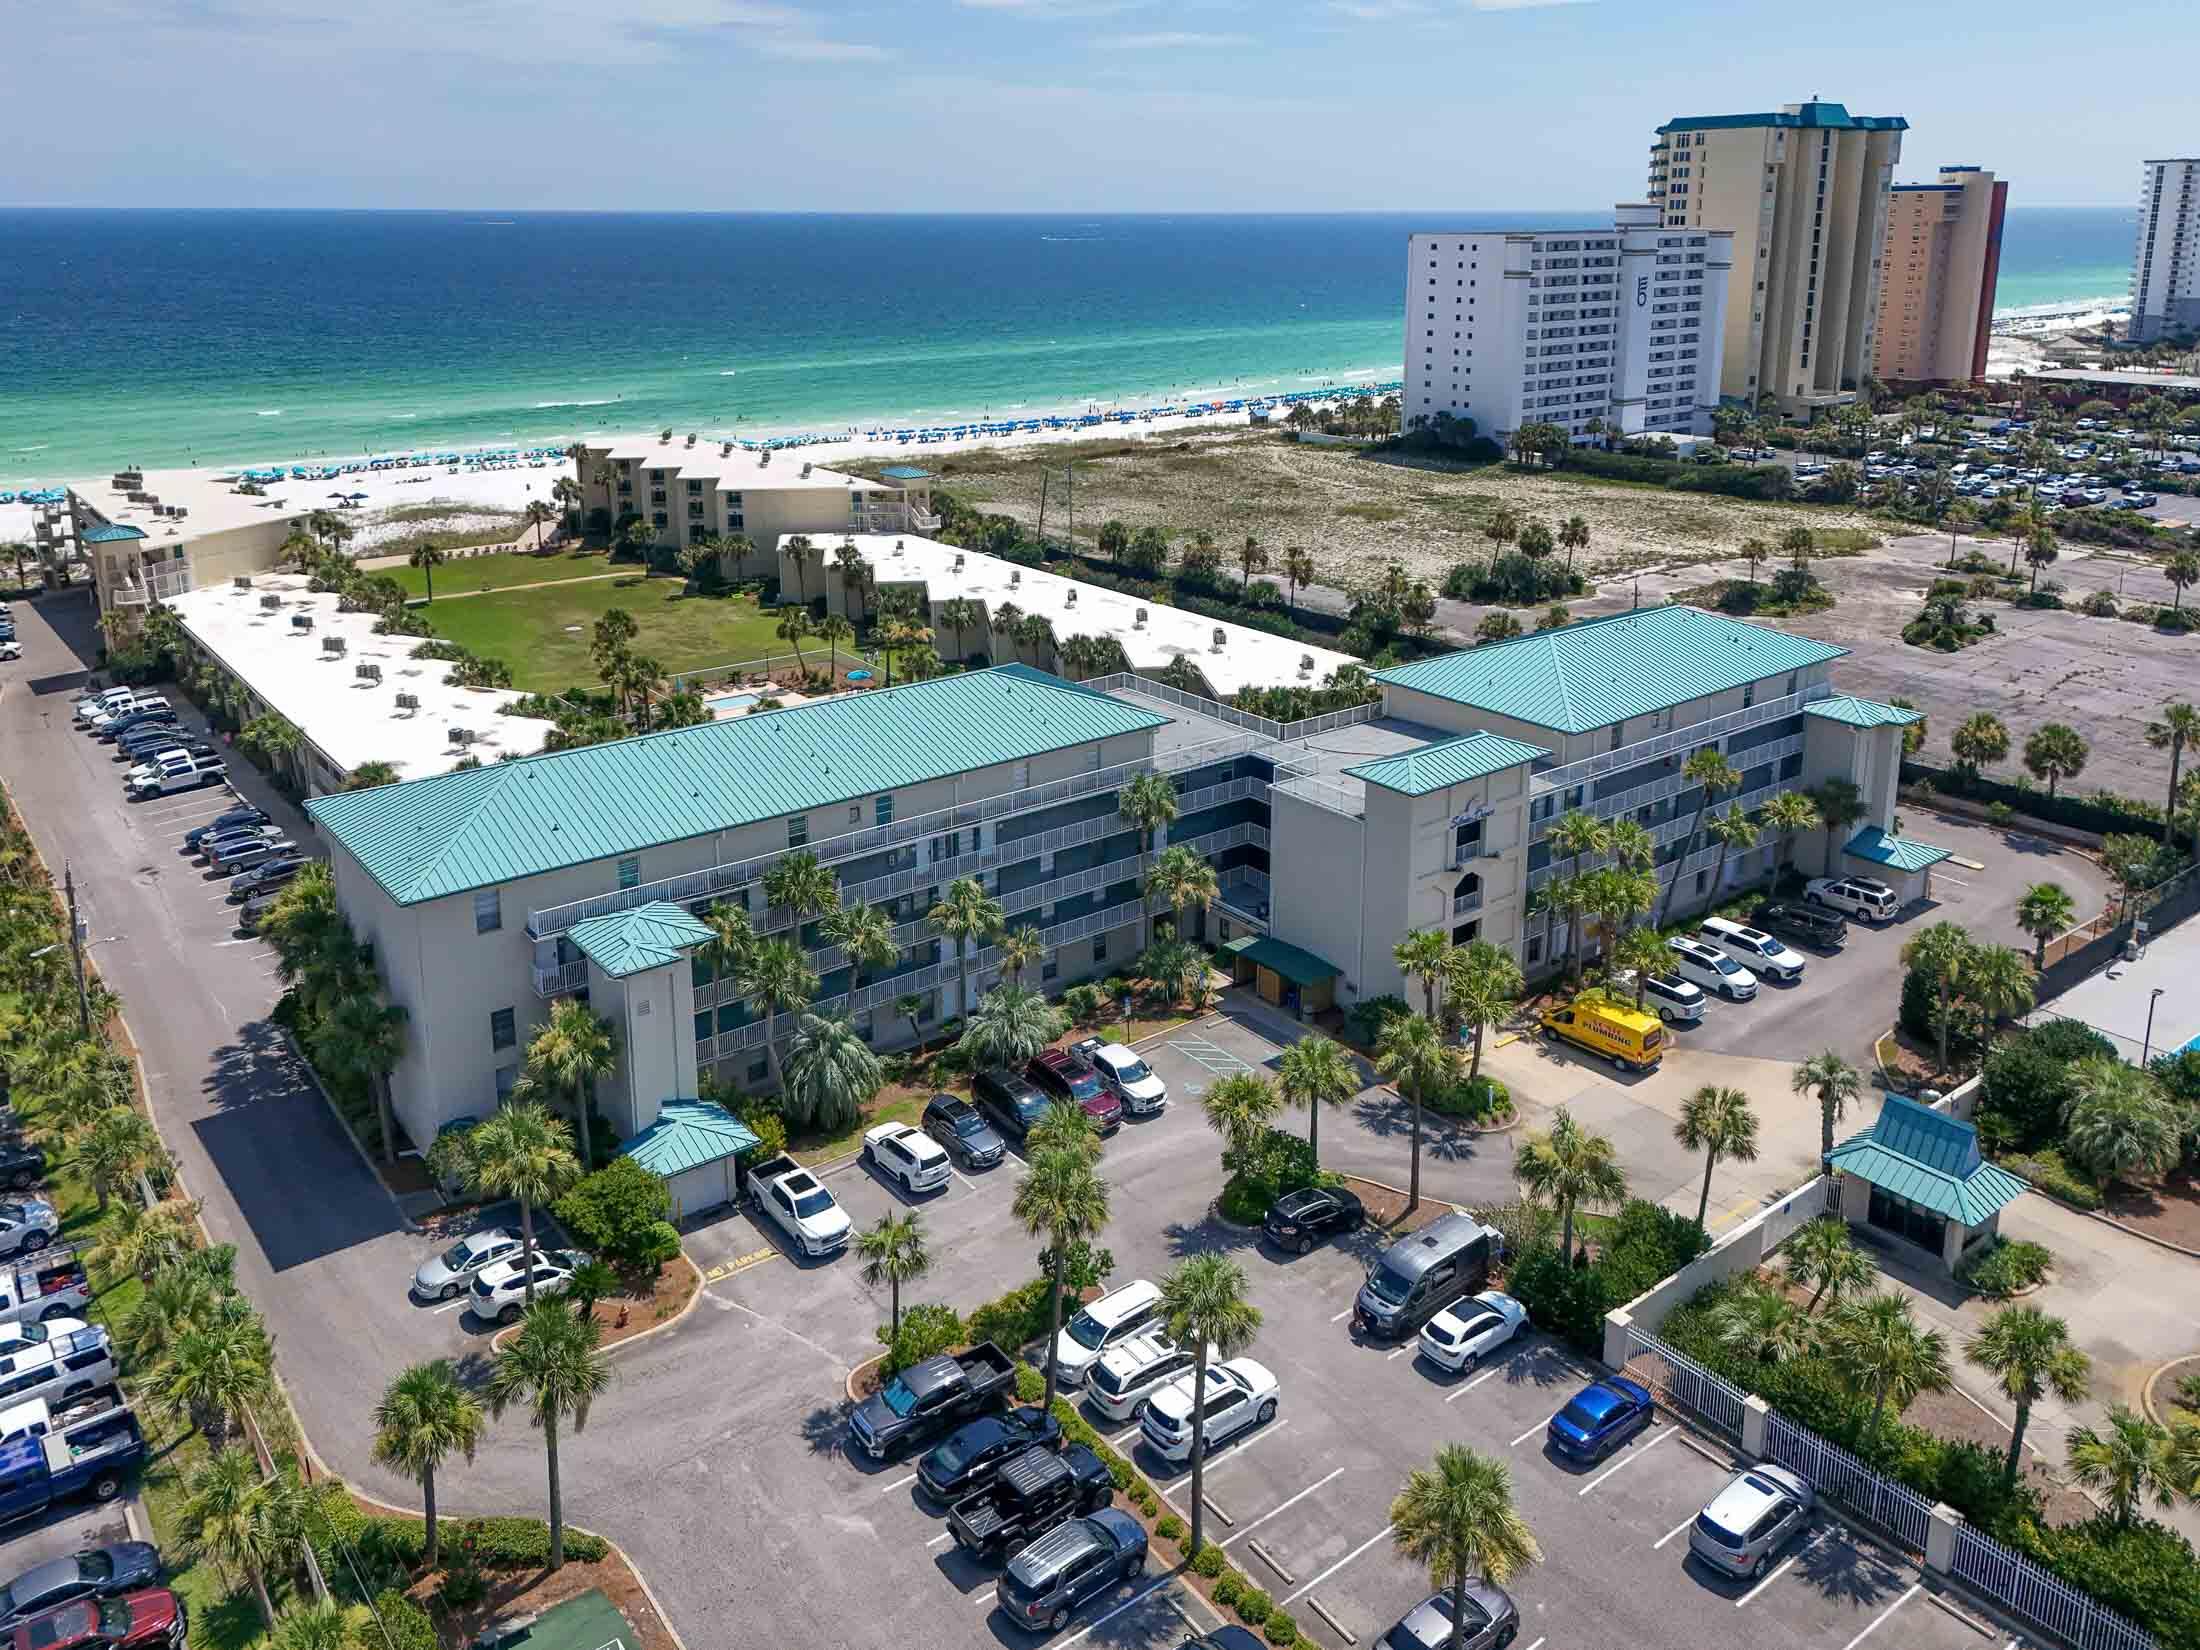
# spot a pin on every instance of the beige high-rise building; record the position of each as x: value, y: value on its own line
x: 1805, y: 192
x: 2165, y: 263
x: 1936, y: 292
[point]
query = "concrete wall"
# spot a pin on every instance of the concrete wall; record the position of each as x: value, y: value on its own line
x: 1317, y: 866
x: 1742, y: 1250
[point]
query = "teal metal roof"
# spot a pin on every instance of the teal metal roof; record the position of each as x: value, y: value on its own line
x: 1900, y: 853
x: 112, y: 532
x: 906, y: 472
x: 1811, y: 116
x: 687, y: 1135
x: 1930, y: 1159
x: 424, y: 839
x: 1601, y: 671
x: 1863, y: 713
x: 1446, y: 763
x: 1279, y: 957
x: 627, y: 942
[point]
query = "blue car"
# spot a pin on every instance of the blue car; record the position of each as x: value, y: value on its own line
x: 1600, y: 1417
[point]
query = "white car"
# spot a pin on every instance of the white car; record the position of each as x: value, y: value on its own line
x: 798, y: 1203
x: 1698, y: 964
x: 27, y: 1224
x: 14, y: 1335
x: 500, y: 1288
x: 1461, y: 1335
x: 1865, y: 897
x: 908, y: 1155
x: 1241, y: 1394
x: 1753, y: 948
x: 1125, y: 1076
x: 1133, y: 1371
x: 11, y: 650
x: 446, y: 1276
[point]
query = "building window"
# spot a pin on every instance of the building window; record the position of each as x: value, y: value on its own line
x: 884, y: 810
x: 798, y: 830
x: 1049, y: 969
x: 1466, y: 841
x: 503, y: 1028
x: 630, y: 871
x: 488, y: 911
x: 1535, y: 950
x: 759, y: 1069
x: 1100, y: 948
x: 1749, y: 694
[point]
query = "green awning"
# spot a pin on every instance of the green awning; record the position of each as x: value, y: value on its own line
x: 1930, y: 1159
x: 1299, y: 967
x: 1895, y: 852
x: 687, y: 1135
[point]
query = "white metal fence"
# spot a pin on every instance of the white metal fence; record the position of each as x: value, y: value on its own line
x: 2025, y: 1589
x: 1836, y: 1474
x: 1680, y: 1380
x: 1123, y: 681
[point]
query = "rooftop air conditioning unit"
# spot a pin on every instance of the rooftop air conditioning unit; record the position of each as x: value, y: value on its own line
x: 462, y: 736
x: 1014, y: 579
x: 270, y: 603
x: 240, y: 582
x: 367, y: 673
x: 1069, y: 598
x: 805, y: 472
x: 333, y: 646
x: 1306, y: 664
x: 1139, y: 623
x: 1221, y: 636
x: 958, y: 561
x: 408, y: 701
x: 301, y: 621
x: 725, y: 449
x: 691, y: 438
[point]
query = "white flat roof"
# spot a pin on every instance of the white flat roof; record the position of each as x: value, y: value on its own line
x: 350, y: 720
x: 210, y: 497
x: 1246, y: 658
x: 736, y: 471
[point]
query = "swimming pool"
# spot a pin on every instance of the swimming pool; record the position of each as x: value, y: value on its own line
x: 727, y: 704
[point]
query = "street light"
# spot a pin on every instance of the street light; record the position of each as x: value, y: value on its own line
x: 2147, y: 1047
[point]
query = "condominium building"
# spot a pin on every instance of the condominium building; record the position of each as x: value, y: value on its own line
x: 488, y: 893
x: 1936, y: 289
x: 2165, y: 263
x: 1610, y: 331
x: 1805, y: 191
x: 151, y: 535
x: 688, y: 492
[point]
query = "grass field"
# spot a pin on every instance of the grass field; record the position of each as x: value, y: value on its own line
x: 499, y: 572
x: 543, y: 634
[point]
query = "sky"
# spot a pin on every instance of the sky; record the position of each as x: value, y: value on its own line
x: 1037, y: 105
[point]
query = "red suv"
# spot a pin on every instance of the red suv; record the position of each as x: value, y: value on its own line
x: 1062, y: 1076
x: 151, y: 1620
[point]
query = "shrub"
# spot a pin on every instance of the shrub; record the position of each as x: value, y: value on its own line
x: 1226, y: 1591
x: 405, y: 1622
x: 514, y: 1543
x: 1920, y: 1015
x: 2025, y: 1088
x: 2179, y: 1075
x: 1484, y: 1100
x: 2005, y: 1268
x: 2069, y: 1040
x: 1017, y: 1317
x: 616, y: 1211
x: 1368, y: 1018
x: 768, y: 1127
x: 1280, y: 1629
x: 1246, y: 1202
x: 1253, y: 1606
x: 926, y: 1332
x: 2048, y: 1173
x: 1207, y: 1561
x: 2144, y: 1570
x: 1171, y: 1528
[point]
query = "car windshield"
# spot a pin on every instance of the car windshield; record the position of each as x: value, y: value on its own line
x: 813, y: 1203
x: 1085, y: 1085
x: 95, y: 1566
x: 458, y: 1257
x: 1087, y: 1331
x: 1136, y: 1072
x: 968, y: 1124
x: 1717, y: 1531
x: 1388, y: 1284
x: 898, y: 1397
x: 1031, y: 1105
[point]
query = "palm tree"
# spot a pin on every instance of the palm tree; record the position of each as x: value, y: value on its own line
x: 732, y: 938
x: 2116, y: 1123
x: 216, y: 1369
x: 2030, y: 1355
x: 539, y: 515
x: 2178, y: 727
x: 1064, y: 1127
x: 569, y: 1055
x: 1823, y: 1256
x: 865, y: 932
x: 1315, y: 1072
x: 1062, y: 1200
x: 1788, y: 815
x: 1009, y: 1026
x: 1944, y: 951
x: 1571, y: 1167
x: 794, y: 629
x: 800, y: 552
x: 2055, y: 752
x: 835, y: 632
x: 1837, y: 1085
x: 970, y: 916
x: 1878, y: 1350
x: 1573, y: 834
x: 2132, y: 1461
x: 322, y: 1626
x: 1840, y: 804
x: 1999, y: 981
x: 139, y: 1242
x: 1457, y: 1517
x: 893, y: 1253
x: 1573, y: 533
x: 1148, y: 801
x: 1754, y: 551
x: 1183, y: 877
x: 1717, y: 1122
x: 177, y: 1298
x: 1641, y: 953
x: 1298, y: 568
x: 910, y: 1006
x: 1481, y: 981
x: 119, y: 1145
x: 1420, y: 956
x: 1240, y: 1108
x: 959, y: 614
x: 2044, y: 910
x: 523, y: 1152
x: 240, y: 1521
x: 778, y: 980
x: 1020, y: 947
x: 831, y: 1074
x: 1415, y: 1055
x: 555, y: 1369
x: 1979, y: 741
x: 424, y: 1418
x: 1203, y: 1303
x: 1763, y: 1326
x: 1711, y: 773
x: 428, y: 558
x: 1731, y: 830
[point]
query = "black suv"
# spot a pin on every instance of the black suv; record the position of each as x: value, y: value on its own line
x: 973, y: 1452
x: 1299, y: 1220
x: 1012, y: 1100
x: 22, y: 1165
x: 959, y: 1126
x: 1814, y: 925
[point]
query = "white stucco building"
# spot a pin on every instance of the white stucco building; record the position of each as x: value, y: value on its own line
x: 2165, y: 261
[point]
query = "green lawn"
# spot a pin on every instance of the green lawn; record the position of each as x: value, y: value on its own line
x: 543, y: 634
x: 496, y: 572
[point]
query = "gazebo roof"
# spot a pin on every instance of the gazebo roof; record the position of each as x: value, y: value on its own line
x: 1930, y: 1159
x: 687, y: 1135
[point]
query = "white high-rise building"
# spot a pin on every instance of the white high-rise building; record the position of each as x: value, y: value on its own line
x: 1570, y: 326
x: 2165, y: 265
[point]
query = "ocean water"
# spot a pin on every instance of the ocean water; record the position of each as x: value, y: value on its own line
x: 190, y: 338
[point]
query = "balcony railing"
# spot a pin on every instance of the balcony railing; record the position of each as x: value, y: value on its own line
x: 719, y: 879
x: 1658, y: 790
x: 559, y: 981
x: 1706, y: 732
x: 1465, y: 905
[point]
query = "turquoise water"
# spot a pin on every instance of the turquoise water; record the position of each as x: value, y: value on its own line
x: 198, y: 338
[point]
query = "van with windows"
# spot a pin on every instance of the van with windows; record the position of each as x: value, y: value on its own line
x: 1668, y: 996
x: 1699, y: 964
x: 1422, y: 1273
x: 1108, y: 1322
x: 1753, y: 948
x: 1619, y: 1032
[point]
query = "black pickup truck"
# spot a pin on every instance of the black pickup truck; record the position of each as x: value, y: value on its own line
x: 1029, y: 1496
x: 928, y: 1399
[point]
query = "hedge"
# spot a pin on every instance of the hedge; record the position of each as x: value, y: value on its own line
x: 1771, y: 483
x: 1644, y: 1246
x: 405, y: 1622
x: 363, y: 1554
x: 1016, y: 1319
x: 2143, y: 1570
x: 2103, y: 812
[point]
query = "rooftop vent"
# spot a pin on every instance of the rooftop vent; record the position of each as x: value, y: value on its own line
x: 1139, y: 623
x: 1069, y: 599
x: 241, y: 582
x: 367, y: 672
x: 270, y: 603
x: 691, y: 438
x: 725, y: 449
x: 408, y: 701
x: 1014, y: 579
x: 463, y: 737
x: 958, y: 561
x: 1306, y: 664
x: 301, y: 621
x: 333, y: 646
x: 1221, y: 636
x: 805, y: 472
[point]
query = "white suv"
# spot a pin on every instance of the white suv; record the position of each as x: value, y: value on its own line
x: 908, y: 1155
x: 500, y: 1288
x: 1753, y: 948
x: 1134, y: 1370
x: 1698, y: 964
x: 1865, y: 897
x: 1672, y: 998
x: 1240, y: 1394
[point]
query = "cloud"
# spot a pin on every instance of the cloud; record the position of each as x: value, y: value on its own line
x: 1168, y: 40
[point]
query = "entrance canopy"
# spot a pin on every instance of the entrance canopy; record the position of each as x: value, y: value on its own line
x: 1301, y: 968
x: 1928, y: 1159
x: 687, y: 1135
x: 1896, y: 853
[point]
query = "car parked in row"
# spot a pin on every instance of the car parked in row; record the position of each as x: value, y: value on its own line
x: 1865, y: 897
x: 800, y: 1206
x: 234, y: 819
x: 500, y: 1288
x: 1422, y: 1273
x: 1714, y: 970
x: 1746, y: 1524
x: 208, y: 848
x: 94, y: 1572
x: 1463, y: 1334
x: 26, y: 1225
x: 448, y: 1275
x: 1125, y: 1075
x: 1013, y: 1101
x: 1048, y: 1580
x: 230, y: 858
x: 959, y: 1126
x: 1132, y: 1371
x: 970, y: 1455
x: 266, y: 878
x: 1600, y: 1417
x: 1819, y: 926
x: 1240, y: 1395
x: 144, y: 1620
x: 1062, y: 1076
x: 907, y: 1155
x: 1489, y: 1621
x: 1668, y: 996
x: 1109, y: 1321
x: 1029, y: 1495
x: 1299, y: 1220
x: 1753, y: 948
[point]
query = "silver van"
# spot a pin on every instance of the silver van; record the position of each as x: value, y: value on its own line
x: 1422, y: 1273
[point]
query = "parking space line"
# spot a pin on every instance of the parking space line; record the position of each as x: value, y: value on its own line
x: 1143, y: 1593
x: 1401, y: 1352
x: 898, y: 1484
x: 1494, y: 1369
x: 1674, y: 1531
x: 1116, y: 1443
x: 1883, y: 1615
x: 1631, y: 1455
x: 944, y: 1535
x: 1286, y: 1507
x: 1525, y: 1436
x: 1346, y: 1313
x: 1340, y: 1564
x: 1213, y: 1460
x: 1538, y: 1645
x: 1786, y: 1564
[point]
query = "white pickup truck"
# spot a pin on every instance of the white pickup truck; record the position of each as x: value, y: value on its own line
x: 799, y: 1205
x: 44, y: 1288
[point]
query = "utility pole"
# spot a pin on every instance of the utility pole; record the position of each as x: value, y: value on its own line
x: 76, y: 950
